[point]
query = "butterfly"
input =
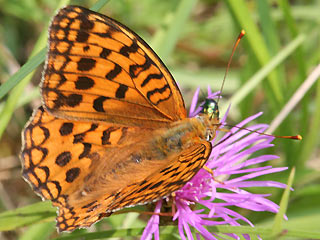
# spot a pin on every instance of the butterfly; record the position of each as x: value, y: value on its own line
x: 112, y: 131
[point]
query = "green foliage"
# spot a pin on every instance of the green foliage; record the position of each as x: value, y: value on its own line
x: 280, y: 50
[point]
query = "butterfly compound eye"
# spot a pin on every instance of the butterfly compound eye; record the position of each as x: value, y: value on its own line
x: 210, y: 108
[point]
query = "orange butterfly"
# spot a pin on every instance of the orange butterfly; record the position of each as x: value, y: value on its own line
x: 113, y: 130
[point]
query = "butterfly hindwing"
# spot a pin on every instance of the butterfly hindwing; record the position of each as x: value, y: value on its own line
x: 97, y: 69
x: 179, y: 170
x: 155, y: 186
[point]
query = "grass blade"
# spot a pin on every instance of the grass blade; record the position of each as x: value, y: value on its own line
x: 278, y: 222
x: 164, y: 42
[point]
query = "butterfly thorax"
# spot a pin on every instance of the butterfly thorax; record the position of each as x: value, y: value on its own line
x: 183, y: 134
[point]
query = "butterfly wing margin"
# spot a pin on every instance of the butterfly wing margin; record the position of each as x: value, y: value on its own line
x: 98, y: 69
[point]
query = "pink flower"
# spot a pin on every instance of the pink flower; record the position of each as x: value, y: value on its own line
x: 232, y: 172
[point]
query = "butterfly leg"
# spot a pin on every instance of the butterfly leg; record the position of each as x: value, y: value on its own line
x: 209, y: 170
x: 173, y: 209
x: 224, y: 130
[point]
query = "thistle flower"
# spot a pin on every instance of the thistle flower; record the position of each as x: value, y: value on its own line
x: 232, y: 172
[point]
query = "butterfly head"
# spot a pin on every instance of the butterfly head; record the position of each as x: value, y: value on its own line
x: 210, y: 110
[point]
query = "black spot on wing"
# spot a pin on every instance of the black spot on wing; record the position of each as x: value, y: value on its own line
x: 86, y: 24
x: 156, y: 185
x: 105, y: 53
x: 73, y: 100
x: 159, y: 90
x: 106, y: 135
x: 63, y: 159
x: 86, y: 48
x: 151, y: 76
x: 84, y: 83
x: 126, y: 50
x: 86, y: 150
x: 114, y: 72
x: 121, y: 91
x: 82, y: 37
x: 98, y: 103
x: 72, y: 174
x: 86, y: 64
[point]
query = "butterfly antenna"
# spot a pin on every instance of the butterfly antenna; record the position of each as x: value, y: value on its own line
x: 242, y: 33
x: 296, y: 137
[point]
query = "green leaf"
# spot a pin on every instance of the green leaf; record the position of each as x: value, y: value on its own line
x: 39, y: 231
x: 26, y: 69
x: 34, y: 213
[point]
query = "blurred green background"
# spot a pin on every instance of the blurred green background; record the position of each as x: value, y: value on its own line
x: 271, y: 70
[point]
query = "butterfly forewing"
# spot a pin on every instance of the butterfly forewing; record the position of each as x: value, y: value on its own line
x: 98, y: 69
